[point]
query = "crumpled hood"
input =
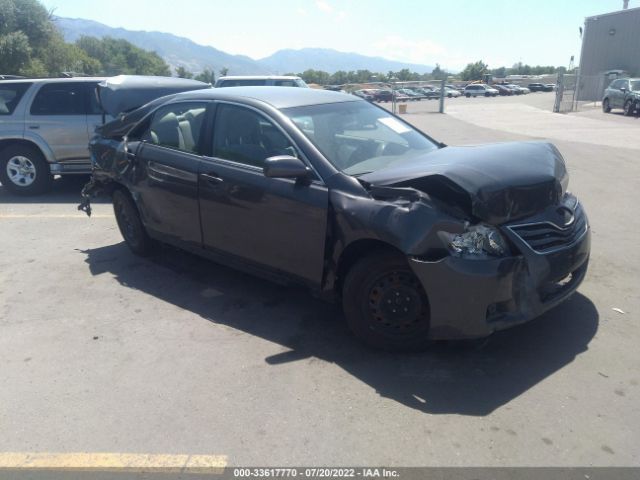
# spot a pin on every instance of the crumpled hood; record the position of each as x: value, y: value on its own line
x: 127, y: 92
x: 495, y: 183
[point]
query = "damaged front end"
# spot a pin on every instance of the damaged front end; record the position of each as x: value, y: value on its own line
x: 494, y: 242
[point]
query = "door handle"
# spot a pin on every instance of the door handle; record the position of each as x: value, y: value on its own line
x: 34, y: 127
x: 211, y: 178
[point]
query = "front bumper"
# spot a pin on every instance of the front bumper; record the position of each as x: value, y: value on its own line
x: 473, y: 298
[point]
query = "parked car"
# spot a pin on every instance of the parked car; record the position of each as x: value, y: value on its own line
x: 479, y: 89
x: 45, y: 124
x: 364, y: 94
x: 539, y: 87
x: 411, y: 94
x: 387, y: 96
x: 518, y: 89
x: 551, y: 86
x: 415, y: 239
x: 451, y: 92
x: 622, y: 93
x: 503, y: 89
x: 260, y: 80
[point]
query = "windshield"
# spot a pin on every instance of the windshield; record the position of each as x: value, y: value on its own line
x: 357, y: 137
x: 635, y: 85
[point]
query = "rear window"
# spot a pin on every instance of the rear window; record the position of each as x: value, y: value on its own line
x: 10, y: 95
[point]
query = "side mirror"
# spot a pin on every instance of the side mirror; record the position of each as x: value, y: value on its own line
x: 285, y: 166
x: 623, y: 89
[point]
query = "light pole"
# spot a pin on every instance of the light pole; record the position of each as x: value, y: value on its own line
x: 393, y: 94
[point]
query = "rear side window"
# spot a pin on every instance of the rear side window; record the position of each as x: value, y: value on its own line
x: 177, y: 126
x: 10, y: 95
x: 60, y: 99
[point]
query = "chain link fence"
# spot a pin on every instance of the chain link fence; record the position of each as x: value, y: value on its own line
x: 406, y: 97
x: 575, y: 92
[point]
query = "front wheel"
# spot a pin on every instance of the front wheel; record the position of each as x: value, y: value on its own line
x: 24, y: 171
x: 130, y: 224
x: 606, y: 106
x: 385, y: 304
x: 628, y: 108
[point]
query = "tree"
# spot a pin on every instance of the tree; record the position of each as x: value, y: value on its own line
x: 182, y: 72
x: 206, y: 76
x: 438, y: 73
x: 224, y: 71
x: 474, y: 71
x: 118, y: 56
x: 15, y: 52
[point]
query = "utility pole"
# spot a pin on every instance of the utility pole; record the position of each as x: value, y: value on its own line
x: 625, y: 4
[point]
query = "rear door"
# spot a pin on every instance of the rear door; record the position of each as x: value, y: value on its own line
x: 167, y: 159
x: 617, y: 96
x: 58, y: 115
x: 278, y: 224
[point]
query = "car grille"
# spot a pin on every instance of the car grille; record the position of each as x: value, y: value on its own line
x: 545, y: 237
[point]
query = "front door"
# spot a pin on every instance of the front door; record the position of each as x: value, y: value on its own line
x: 276, y: 223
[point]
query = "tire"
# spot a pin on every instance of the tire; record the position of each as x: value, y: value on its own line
x: 468, y: 95
x: 375, y: 291
x: 628, y: 108
x: 606, y: 107
x: 24, y: 171
x: 130, y: 224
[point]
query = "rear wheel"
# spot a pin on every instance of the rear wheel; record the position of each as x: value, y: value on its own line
x: 468, y: 95
x: 130, y: 224
x: 606, y: 106
x: 24, y: 171
x: 628, y: 108
x: 385, y: 304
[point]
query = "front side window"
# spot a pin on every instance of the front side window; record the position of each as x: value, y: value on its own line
x: 177, y: 126
x: 60, y: 99
x: 357, y: 137
x: 10, y: 95
x: 244, y: 136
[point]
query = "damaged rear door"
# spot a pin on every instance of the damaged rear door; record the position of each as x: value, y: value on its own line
x: 166, y: 184
x: 277, y: 223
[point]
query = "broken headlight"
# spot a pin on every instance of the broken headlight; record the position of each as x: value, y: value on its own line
x: 477, y: 241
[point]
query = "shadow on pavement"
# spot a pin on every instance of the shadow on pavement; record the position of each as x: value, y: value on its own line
x: 63, y: 190
x: 463, y: 378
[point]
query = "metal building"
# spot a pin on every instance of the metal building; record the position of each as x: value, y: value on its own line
x: 610, y: 48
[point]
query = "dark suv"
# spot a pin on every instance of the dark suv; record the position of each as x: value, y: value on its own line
x: 622, y: 93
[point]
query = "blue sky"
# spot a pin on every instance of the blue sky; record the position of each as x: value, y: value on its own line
x: 451, y: 33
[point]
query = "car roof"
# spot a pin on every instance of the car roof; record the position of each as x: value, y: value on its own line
x: 260, y: 77
x: 278, y: 97
x: 55, y: 80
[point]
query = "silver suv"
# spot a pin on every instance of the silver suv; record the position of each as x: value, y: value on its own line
x: 45, y: 125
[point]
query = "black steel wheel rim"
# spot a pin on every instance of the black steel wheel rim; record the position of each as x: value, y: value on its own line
x: 397, y: 305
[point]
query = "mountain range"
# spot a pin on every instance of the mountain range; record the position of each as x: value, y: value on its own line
x: 180, y: 51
